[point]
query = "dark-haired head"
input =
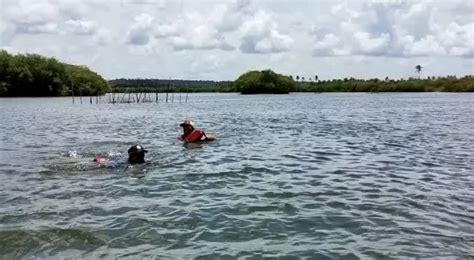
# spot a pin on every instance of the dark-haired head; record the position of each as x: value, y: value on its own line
x: 136, y: 154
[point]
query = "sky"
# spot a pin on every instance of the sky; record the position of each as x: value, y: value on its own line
x: 220, y: 40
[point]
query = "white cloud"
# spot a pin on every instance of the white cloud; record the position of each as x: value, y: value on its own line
x: 208, y: 64
x: 393, y: 28
x: 458, y: 39
x: 423, y: 47
x: 195, y: 30
x: 36, y: 28
x: 201, y: 36
x: 32, y: 17
x: 166, y: 30
x: 371, y: 45
x: 228, y: 18
x: 327, y: 45
x: 26, y: 12
x: 141, y: 30
x: 41, y: 16
x: 103, y: 37
x: 191, y: 31
x: 260, y: 35
x: 72, y: 9
x: 81, y: 27
x: 364, y: 38
x: 160, y: 3
x: 206, y: 30
x: 50, y: 18
x: 415, y: 19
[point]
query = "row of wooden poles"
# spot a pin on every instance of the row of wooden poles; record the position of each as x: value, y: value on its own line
x: 146, y: 98
x: 135, y: 98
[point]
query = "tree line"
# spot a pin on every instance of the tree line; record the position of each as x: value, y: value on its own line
x: 35, y: 75
x: 170, y: 85
x: 430, y: 84
x: 267, y: 81
x: 31, y: 75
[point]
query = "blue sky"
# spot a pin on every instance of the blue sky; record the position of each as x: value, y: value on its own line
x: 221, y: 39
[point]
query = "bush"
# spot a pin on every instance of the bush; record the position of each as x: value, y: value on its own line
x: 35, y: 75
x: 264, y: 82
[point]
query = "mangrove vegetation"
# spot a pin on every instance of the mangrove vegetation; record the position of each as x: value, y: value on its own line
x: 264, y: 82
x: 430, y: 84
x: 170, y: 85
x: 35, y: 75
x: 267, y: 81
x: 32, y: 75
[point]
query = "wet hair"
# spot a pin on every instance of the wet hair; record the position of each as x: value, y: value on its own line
x: 136, y: 154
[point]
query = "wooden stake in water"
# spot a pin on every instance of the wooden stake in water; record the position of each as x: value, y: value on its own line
x: 138, y: 95
x: 169, y: 85
x: 80, y: 94
x: 72, y: 87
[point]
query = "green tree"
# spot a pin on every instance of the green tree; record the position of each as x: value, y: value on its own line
x: 35, y: 75
x: 265, y: 81
x: 418, y: 70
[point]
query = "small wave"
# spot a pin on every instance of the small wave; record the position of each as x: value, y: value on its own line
x: 34, y: 243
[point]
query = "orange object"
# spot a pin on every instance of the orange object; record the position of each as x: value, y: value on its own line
x: 193, y: 137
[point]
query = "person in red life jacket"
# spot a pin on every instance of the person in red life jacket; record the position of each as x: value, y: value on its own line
x: 193, y: 135
x: 136, y: 155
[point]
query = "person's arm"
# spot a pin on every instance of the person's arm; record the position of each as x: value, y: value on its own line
x: 100, y: 160
x: 208, y: 138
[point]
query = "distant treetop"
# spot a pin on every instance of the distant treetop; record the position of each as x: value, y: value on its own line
x: 264, y: 82
x: 33, y: 75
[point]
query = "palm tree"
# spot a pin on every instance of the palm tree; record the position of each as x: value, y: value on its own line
x: 315, y: 77
x: 418, y: 70
x: 297, y: 78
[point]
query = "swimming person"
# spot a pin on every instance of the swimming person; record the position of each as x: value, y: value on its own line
x: 136, y: 155
x: 193, y: 135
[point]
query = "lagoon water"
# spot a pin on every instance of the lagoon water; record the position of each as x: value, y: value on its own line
x: 325, y: 176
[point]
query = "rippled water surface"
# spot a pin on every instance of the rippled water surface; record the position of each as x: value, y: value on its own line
x: 328, y: 176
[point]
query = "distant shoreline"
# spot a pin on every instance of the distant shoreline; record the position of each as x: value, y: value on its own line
x: 446, y: 85
x: 86, y: 98
x: 431, y: 84
x: 33, y: 75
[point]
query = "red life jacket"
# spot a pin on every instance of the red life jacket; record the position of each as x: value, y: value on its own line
x: 194, y: 136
